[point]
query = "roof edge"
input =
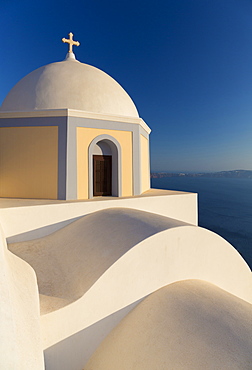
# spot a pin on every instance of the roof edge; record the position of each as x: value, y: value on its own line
x: 75, y: 113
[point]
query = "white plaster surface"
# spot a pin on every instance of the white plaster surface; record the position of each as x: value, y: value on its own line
x: 94, y: 268
x: 186, y: 325
x: 20, y: 337
x: 24, y: 219
x: 89, y: 117
x: 69, y: 261
x: 69, y: 84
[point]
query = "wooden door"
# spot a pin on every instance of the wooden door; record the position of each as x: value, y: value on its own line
x: 102, y: 169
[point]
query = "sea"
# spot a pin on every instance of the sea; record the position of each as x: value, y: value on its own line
x: 225, y: 207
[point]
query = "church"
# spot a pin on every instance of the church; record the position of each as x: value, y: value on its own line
x: 98, y: 270
x: 76, y: 134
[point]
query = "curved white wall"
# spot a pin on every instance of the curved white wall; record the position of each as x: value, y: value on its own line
x: 178, y: 253
x: 190, y: 324
x: 20, y: 344
x: 153, y: 251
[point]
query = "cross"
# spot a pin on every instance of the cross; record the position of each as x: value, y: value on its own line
x: 71, y: 42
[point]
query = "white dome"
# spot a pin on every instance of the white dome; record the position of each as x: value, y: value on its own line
x: 69, y: 84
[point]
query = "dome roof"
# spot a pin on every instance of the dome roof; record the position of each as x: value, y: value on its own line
x: 72, y: 85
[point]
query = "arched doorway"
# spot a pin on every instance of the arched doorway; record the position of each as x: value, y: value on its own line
x: 104, y: 167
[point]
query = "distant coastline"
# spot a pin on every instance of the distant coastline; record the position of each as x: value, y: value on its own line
x: 224, y: 203
x: 243, y: 174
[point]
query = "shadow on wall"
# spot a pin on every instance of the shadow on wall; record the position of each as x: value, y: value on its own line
x: 40, y: 232
x: 84, y: 343
x: 69, y: 261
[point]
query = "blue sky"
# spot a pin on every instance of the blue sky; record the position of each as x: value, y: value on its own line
x: 187, y: 64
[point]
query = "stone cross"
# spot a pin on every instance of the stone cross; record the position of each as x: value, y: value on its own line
x: 71, y: 42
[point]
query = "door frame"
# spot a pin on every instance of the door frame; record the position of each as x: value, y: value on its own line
x: 116, y: 164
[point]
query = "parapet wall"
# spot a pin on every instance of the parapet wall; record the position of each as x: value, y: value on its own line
x: 24, y: 220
